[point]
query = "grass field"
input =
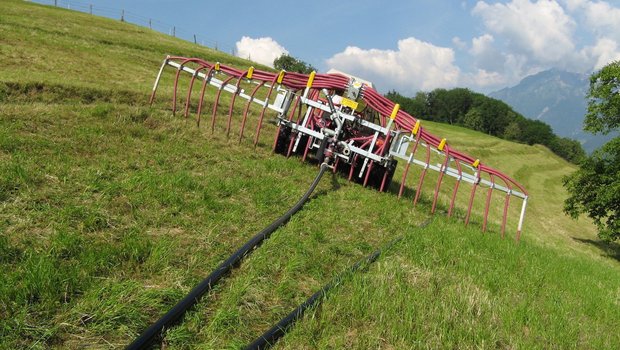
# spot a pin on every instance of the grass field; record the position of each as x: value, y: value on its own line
x: 111, y: 211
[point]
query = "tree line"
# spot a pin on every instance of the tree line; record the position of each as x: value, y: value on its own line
x: 461, y: 106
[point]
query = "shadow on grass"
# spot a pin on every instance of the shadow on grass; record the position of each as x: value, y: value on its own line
x: 610, y: 249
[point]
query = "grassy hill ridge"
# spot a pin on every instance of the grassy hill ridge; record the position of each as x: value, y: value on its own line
x: 111, y: 211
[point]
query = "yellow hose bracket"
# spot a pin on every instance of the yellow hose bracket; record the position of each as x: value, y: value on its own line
x: 349, y: 103
x: 281, y: 76
x: 476, y: 163
x: 311, y: 79
x: 250, y: 72
x: 442, y: 144
x: 395, y: 111
x: 416, y: 127
x: 217, y: 66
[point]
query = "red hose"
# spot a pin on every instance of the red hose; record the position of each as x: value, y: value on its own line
x: 247, y: 108
x: 202, y: 94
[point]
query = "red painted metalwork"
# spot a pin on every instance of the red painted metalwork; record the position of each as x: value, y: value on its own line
x: 217, y: 101
x: 247, y: 108
x: 232, y: 106
x: 471, y: 202
x: 456, y: 187
x: 406, y: 171
x: 441, y: 172
x: 505, y: 216
x: 422, y: 175
x: 262, y: 112
x: 487, y: 205
x: 368, y: 170
x: 202, y: 94
x: 189, y: 90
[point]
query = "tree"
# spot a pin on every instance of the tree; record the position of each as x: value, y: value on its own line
x: 604, y: 100
x: 473, y: 120
x: 292, y: 64
x: 512, y: 131
x: 535, y: 131
x: 569, y: 149
x: 449, y: 106
x: 594, y: 189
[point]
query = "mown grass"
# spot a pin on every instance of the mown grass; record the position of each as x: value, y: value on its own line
x: 110, y: 212
x: 447, y: 289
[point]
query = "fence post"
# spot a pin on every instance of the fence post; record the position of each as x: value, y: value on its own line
x: 150, y: 26
x: 56, y: 3
x: 174, y: 31
x: 91, y: 9
x: 195, y: 39
x: 122, y: 15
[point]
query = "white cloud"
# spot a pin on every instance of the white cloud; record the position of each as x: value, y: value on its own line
x: 484, y: 79
x: 603, y: 20
x: 459, y: 43
x: 573, y: 5
x: 481, y: 45
x: 603, y: 52
x: 601, y: 17
x: 416, y: 65
x: 486, y: 56
x: 542, y: 30
x: 262, y: 50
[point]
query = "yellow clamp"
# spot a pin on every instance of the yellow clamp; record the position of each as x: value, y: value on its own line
x: 395, y: 111
x: 281, y: 76
x: 349, y: 103
x: 416, y: 127
x: 250, y: 72
x: 217, y: 66
x: 311, y: 79
x: 442, y: 144
x: 476, y: 163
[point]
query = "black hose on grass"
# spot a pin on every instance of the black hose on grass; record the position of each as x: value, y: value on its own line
x: 271, y: 336
x: 156, y: 330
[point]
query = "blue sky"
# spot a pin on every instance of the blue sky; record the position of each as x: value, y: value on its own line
x: 403, y: 45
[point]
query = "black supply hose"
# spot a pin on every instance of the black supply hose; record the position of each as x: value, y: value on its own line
x: 271, y: 336
x: 156, y: 330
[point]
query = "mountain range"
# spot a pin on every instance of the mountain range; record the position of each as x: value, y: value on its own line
x: 557, y: 98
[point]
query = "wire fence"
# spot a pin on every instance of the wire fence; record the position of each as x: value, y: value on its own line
x: 147, y: 22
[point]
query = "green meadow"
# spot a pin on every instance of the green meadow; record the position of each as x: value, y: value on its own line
x: 111, y: 211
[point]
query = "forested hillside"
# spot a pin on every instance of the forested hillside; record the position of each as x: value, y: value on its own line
x: 463, y: 107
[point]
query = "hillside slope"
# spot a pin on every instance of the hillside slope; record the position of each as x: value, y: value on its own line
x: 557, y: 98
x: 111, y: 211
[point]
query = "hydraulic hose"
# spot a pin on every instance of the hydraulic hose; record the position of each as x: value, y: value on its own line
x: 271, y: 336
x: 156, y: 330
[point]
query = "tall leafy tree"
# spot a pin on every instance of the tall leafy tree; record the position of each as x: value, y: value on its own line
x: 604, y: 100
x: 594, y: 189
x: 292, y: 64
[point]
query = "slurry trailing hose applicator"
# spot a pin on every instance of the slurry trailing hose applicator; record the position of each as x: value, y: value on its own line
x: 343, y: 117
